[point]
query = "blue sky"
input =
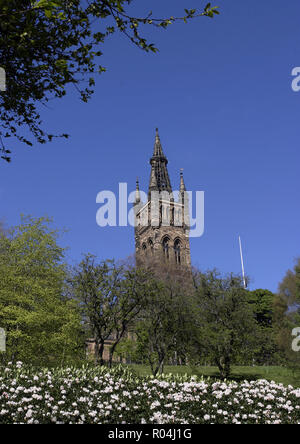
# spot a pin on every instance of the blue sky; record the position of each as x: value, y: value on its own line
x: 220, y: 93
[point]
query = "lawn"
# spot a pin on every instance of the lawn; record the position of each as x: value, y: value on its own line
x: 273, y: 373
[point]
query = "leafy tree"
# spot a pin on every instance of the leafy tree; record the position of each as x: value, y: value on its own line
x: 287, y: 315
x: 47, y: 45
x: 110, y: 297
x: 226, y: 328
x: 165, y: 322
x: 262, y: 303
x: 133, y: 290
x: 289, y: 287
x: 128, y: 349
x: 284, y: 323
x: 42, y: 324
x: 95, y: 287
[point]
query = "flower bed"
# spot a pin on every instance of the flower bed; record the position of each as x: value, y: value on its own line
x: 116, y: 396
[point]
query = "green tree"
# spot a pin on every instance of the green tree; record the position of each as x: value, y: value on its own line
x: 95, y: 287
x: 226, y: 328
x: 110, y: 298
x: 42, y: 324
x: 289, y: 287
x: 287, y: 315
x: 47, y: 45
x: 134, y: 287
x: 166, y: 320
x: 262, y: 304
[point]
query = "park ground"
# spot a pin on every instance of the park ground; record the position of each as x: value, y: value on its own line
x: 278, y: 374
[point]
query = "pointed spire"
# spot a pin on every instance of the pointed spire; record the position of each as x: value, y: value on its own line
x: 159, y: 178
x: 157, y: 152
x: 182, y: 188
x: 184, y: 200
x: 137, y: 192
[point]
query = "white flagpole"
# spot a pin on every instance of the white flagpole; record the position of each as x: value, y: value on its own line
x: 242, y: 261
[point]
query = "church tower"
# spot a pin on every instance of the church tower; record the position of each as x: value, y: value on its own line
x: 161, y: 223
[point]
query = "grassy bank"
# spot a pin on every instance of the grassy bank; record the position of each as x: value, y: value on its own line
x: 273, y: 373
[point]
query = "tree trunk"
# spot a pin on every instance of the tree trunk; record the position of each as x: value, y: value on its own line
x: 161, y: 367
x: 111, y: 353
x: 112, y: 350
x: 227, y: 366
x: 223, y: 364
x: 99, y: 349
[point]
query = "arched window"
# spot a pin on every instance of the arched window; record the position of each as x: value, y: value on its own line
x: 177, y: 251
x: 150, y: 242
x: 165, y: 245
x: 144, y: 248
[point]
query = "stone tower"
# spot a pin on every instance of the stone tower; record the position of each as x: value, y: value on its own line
x: 162, y: 224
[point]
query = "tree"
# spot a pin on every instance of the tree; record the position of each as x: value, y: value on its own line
x: 95, y: 287
x: 42, y: 324
x: 165, y: 322
x: 289, y: 287
x: 134, y: 287
x: 225, y: 329
x: 46, y: 45
x: 110, y: 298
x: 262, y: 304
x: 287, y: 315
x: 1, y: 227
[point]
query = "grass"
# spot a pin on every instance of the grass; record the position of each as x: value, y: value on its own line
x: 273, y: 373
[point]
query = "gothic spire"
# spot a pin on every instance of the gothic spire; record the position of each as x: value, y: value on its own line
x: 184, y: 200
x: 137, y: 193
x: 182, y: 188
x: 159, y: 177
x: 157, y: 145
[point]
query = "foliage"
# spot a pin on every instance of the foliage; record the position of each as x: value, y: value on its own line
x: 226, y: 328
x: 110, y: 298
x: 165, y: 322
x: 101, y: 396
x: 287, y: 316
x: 289, y: 287
x: 42, y: 325
x: 127, y: 350
x: 47, y: 45
x: 262, y: 303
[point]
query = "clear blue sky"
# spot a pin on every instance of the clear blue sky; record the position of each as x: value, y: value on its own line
x: 220, y: 92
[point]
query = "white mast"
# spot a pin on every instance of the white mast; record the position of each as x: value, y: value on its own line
x: 242, y: 262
